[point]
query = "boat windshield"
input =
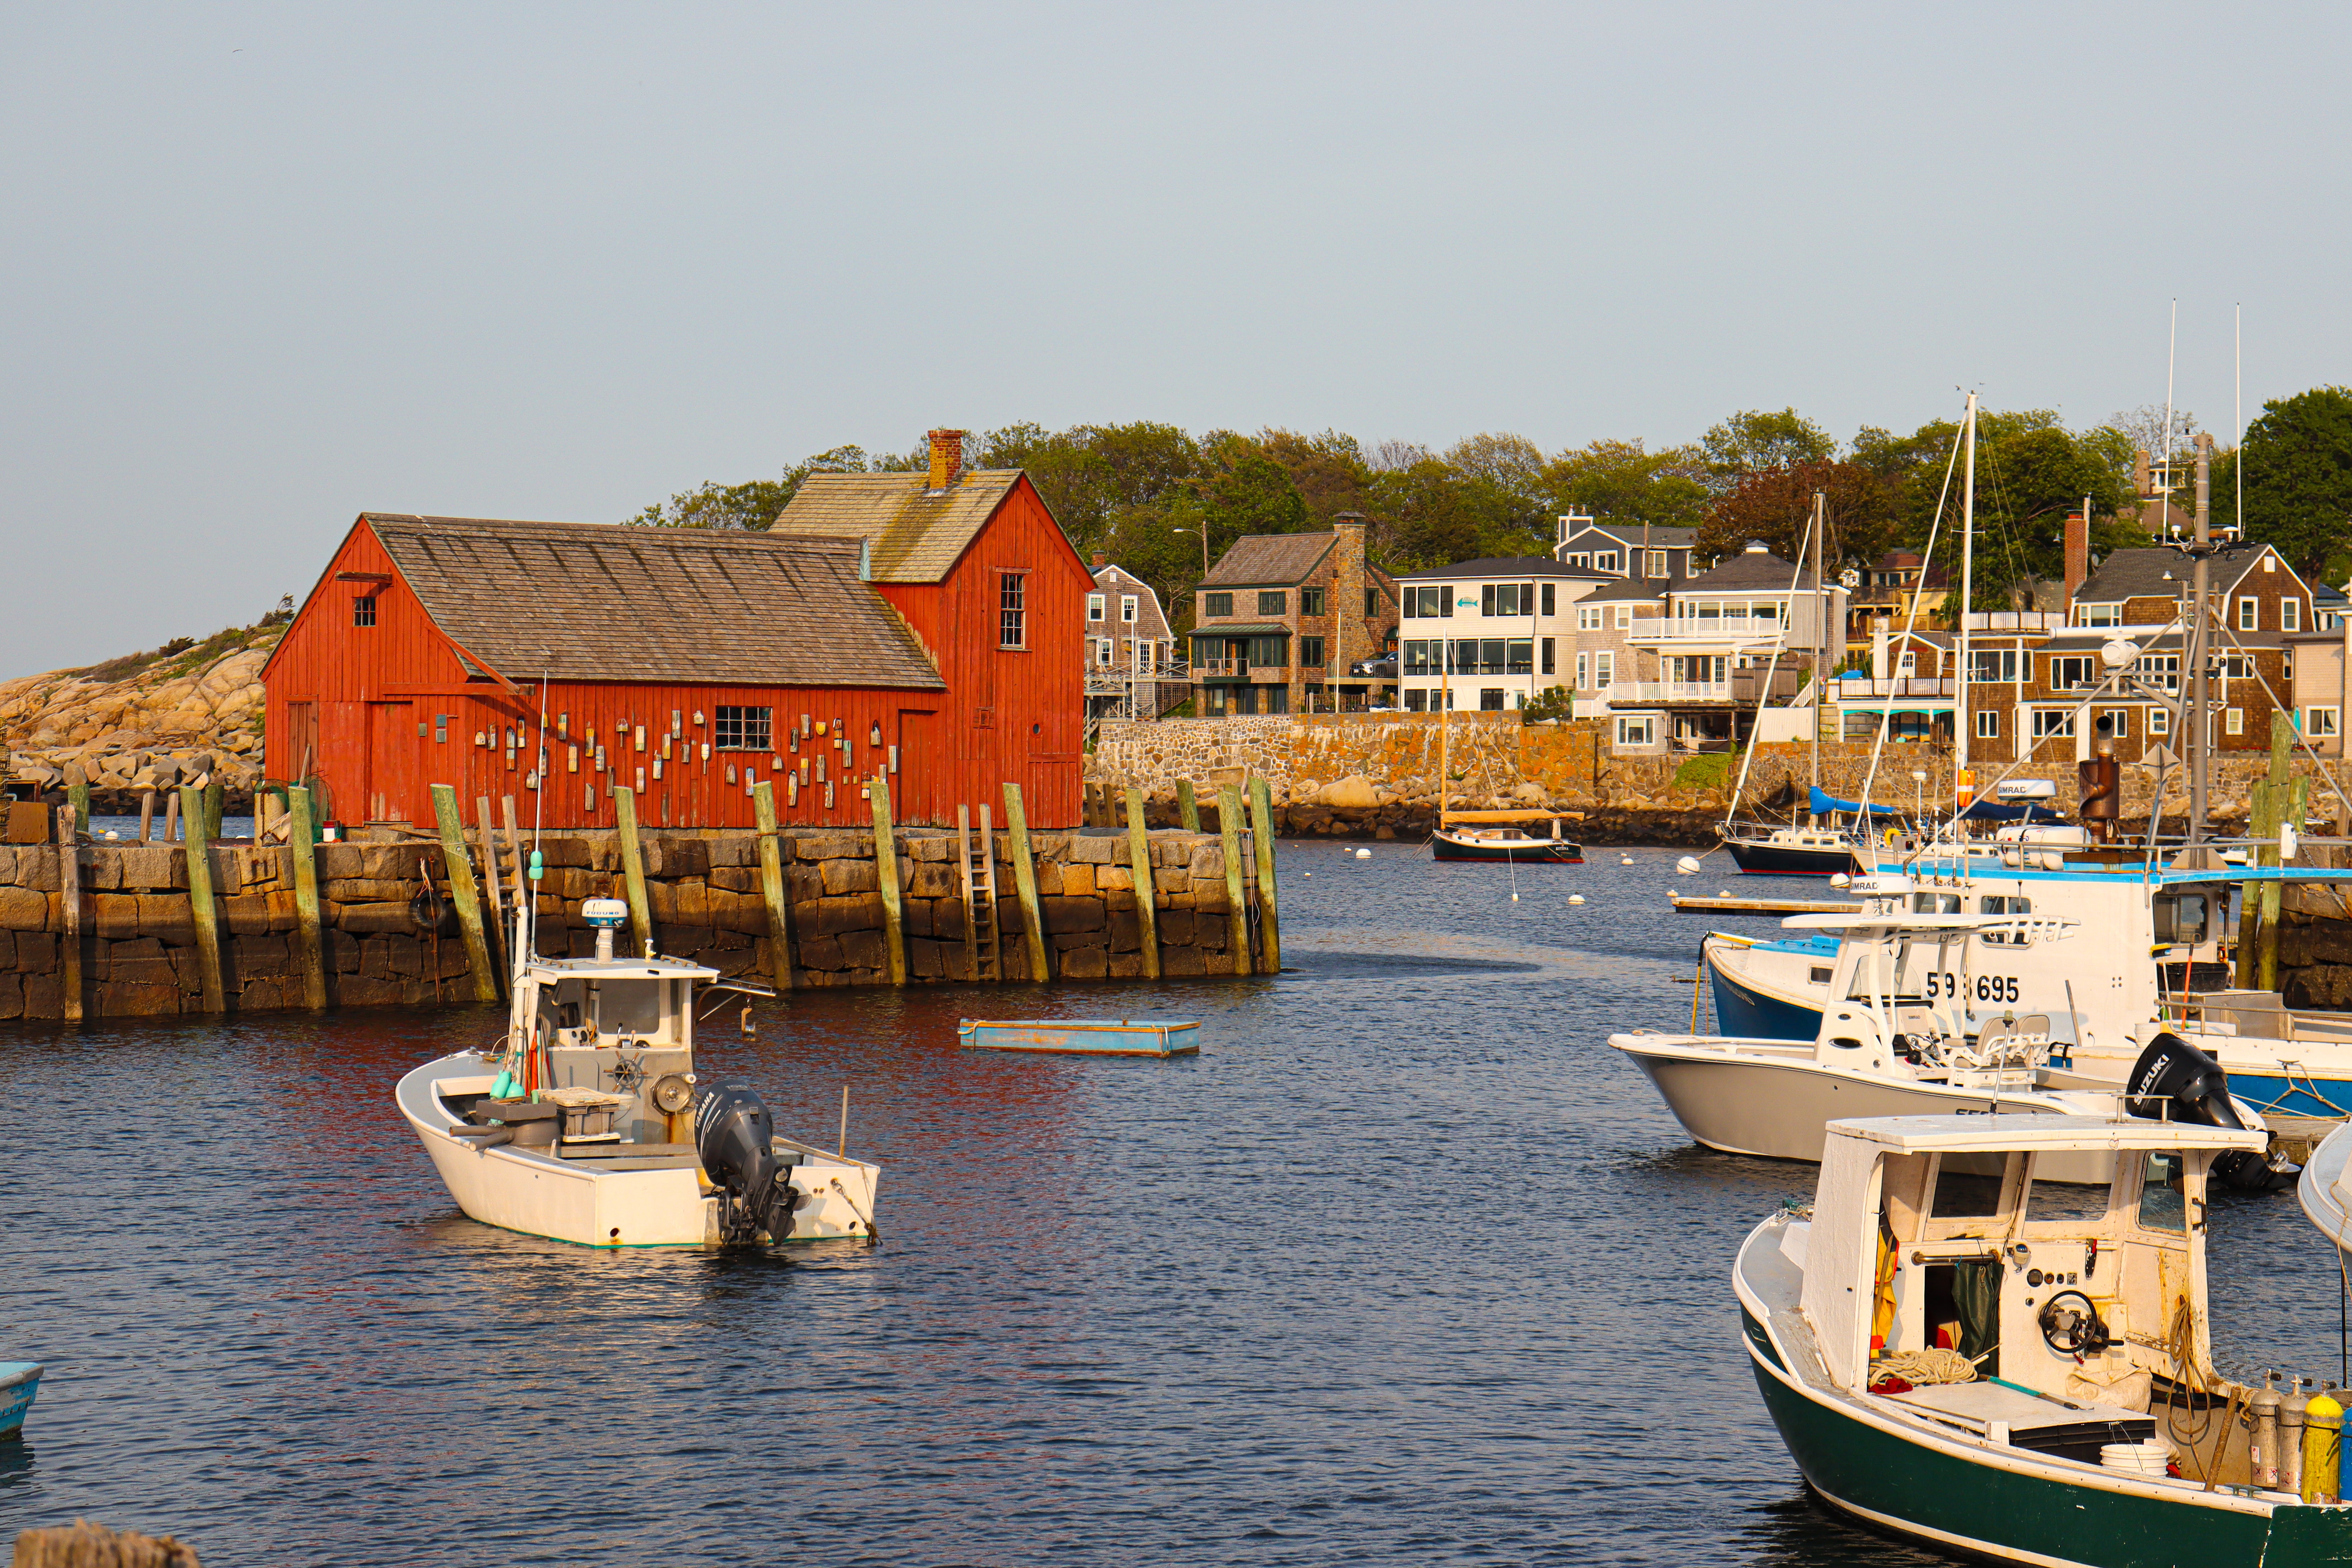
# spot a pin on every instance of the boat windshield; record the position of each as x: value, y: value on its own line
x: 2162, y: 1204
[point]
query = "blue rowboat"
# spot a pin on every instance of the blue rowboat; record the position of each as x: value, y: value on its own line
x: 19, y: 1381
x: 1082, y: 1037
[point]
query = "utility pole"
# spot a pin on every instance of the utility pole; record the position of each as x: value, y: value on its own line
x: 2200, y: 586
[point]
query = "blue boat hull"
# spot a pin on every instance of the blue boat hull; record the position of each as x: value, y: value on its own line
x: 1751, y: 1015
x: 19, y: 1381
x: 1082, y: 1036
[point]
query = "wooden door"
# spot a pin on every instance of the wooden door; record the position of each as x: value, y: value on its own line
x: 393, y: 793
x: 300, y: 757
x: 917, y: 789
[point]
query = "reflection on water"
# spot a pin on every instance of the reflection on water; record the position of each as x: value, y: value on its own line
x: 1407, y: 1267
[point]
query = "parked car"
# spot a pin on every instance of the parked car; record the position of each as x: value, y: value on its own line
x: 1381, y: 668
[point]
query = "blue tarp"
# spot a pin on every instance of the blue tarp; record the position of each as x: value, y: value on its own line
x: 1822, y: 803
x: 1993, y: 811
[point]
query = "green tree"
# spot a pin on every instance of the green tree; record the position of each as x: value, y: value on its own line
x: 1776, y: 505
x: 754, y: 505
x: 1329, y: 470
x: 1754, y: 440
x: 2298, y: 459
x: 1621, y: 481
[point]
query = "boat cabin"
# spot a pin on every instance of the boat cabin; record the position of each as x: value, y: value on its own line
x: 1944, y: 1232
x: 616, y: 1028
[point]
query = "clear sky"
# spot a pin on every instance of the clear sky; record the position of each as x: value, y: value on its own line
x: 266, y: 267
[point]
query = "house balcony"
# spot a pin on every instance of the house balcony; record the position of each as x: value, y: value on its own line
x: 1899, y: 686
x: 1747, y: 633
x: 1238, y: 670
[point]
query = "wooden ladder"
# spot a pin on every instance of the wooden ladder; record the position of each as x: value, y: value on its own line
x: 983, y: 943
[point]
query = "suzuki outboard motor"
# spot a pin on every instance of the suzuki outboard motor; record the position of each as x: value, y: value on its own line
x: 2175, y: 1081
x: 735, y: 1138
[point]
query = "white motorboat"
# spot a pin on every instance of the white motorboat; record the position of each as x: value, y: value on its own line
x: 1954, y: 1354
x: 588, y: 1122
x: 1885, y: 1050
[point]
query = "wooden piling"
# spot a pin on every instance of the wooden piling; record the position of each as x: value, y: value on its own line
x: 1024, y: 882
x: 146, y: 816
x: 490, y: 880
x: 203, y: 910
x: 1229, y: 828
x: 69, y: 823
x: 885, y: 870
x: 1188, y: 810
x: 1261, y: 800
x: 1146, y: 886
x: 216, y: 802
x: 299, y: 845
x: 78, y: 797
x: 523, y: 889
x: 171, y: 815
x: 772, y: 885
x: 632, y: 866
x: 2266, y: 976
x: 458, y: 867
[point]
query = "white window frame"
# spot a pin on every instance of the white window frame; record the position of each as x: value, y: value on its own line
x: 1637, y: 731
x: 1127, y: 604
x: 2322, y: 723
x: 1588, y: 618
x: 2250, y: 614
x: 2053, y: 723
x: 2289, y: 614
x: 2120, y: 722
x: 2103, y: 614
x: 2159, y: 720
x: 1988, y: 723
x: 1624, y: 618
x: 1094, y: 602
x: 1582, y: 668
x: 2233, y: 720
x: 1604, y: 669
x: 1655, y: 564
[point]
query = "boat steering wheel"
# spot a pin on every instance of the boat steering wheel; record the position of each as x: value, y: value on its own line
x: 2071, y: 1329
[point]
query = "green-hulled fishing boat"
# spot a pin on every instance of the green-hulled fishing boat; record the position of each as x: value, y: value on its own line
x: 1957, y: 1353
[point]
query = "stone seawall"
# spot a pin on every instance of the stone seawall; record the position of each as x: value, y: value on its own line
x: 140, y: 955
x: 1377, y: 775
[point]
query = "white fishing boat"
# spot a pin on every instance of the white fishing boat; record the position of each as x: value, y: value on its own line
x: 1954, y: 1353
x: 588, y: 1122
x: 1885, y: 1049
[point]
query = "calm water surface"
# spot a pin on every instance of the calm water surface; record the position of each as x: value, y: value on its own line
x: 1407, y: 1267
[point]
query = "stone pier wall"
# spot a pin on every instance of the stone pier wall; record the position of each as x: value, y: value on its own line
x: 140, y: 957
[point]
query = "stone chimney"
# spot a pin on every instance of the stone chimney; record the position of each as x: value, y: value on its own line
x: 947, y: 457
x: 2078, y: 556
x: 1352, y: 637
x: 2143, y: 475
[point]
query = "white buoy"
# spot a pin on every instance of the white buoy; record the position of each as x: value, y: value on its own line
x: 1841, y: 880
x: 1363, y: 853
x: 1688, y: 864
x: 1723, y: 892
x: 112, y: 834
x: 1575, y: 897
x: 1624, y: 859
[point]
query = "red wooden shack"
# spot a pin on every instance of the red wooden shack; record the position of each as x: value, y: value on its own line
x: 690, y: 665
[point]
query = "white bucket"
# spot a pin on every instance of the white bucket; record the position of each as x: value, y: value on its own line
x: 2140, y: 1458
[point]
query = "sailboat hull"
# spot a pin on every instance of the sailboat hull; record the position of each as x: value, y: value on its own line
x: 1521, y: 851
x: 1758, y: 859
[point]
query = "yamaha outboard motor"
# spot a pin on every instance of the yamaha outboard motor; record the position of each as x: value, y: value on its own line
x: 2175, y: 1081
x: 735, y: 1138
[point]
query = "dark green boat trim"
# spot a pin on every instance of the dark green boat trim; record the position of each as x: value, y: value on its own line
x: 1919, y: 1487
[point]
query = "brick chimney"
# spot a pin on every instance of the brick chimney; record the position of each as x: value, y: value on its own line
x: 1101, y: 561
x: 2078, y: 556
x: 947, y: 457
x: 2143, y: 475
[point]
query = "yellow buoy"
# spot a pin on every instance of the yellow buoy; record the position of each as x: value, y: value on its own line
x: 2323, y: 1447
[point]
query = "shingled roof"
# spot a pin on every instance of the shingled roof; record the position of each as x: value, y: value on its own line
x: 917, y: 534
x: 1271, y: 558
x: 598, y: 601
x: 2142, y: 573
x: 1751, y: 569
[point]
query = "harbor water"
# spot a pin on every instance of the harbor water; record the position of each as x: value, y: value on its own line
x: 1407, y: 1267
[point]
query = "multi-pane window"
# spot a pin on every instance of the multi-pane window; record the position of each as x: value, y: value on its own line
x: 2159, y: 721
x: 2071, y: 672
x: 2249, y: 614
x: 1313, y: 601
x: 2120, y: 722
x: 1551, y: 598
x: 1268, y: 653
x: 1624, y: 618
x: 1582, y: 668
x: 2289, y: 614
x: 2159, y: 669
x: 1102, y: 650
x: 1989, y: 666
x: 2319, y: 721
x: 1273, y: 602
x: 1588, y: 618
x: 2049, y: 722
x: 1310, y: 652
x: 2103, y: 614
x: 1605, y: 560
x: 1636, y: 732
x: 1094, y: 606
x: 1604, y: 669
x: 1416, y: 658
x: 364, y: 610
x: 744, y: 729
x: 1506, y: 599
x: 1987, y: 724
x: 1012, y: 609
x: 2237, y: 667
x: 1653, y: 563
x: 1519, y: 658
x: 1372, y: 603
x: 2233, y: 720
x: 1438, y: 601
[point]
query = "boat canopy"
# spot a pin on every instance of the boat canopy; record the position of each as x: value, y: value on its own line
x: 2037, y: 1134
x: 1822, y: 802
x: 1994, y: 810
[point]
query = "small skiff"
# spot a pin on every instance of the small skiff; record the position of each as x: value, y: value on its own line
x: 19, y: 1382
x: 1082, y: 1037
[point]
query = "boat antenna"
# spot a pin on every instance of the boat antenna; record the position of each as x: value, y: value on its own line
x: 538, y: 804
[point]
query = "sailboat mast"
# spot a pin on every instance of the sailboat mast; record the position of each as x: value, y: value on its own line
x: 1821, y: 642
x: 1964, y: 784
x: 2199, y: 592
x: 1445, y: 717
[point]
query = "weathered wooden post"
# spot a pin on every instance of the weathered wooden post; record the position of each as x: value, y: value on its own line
x: 490, y: 880
x: 885, y: 871
x: 1229, y: 828
x: 69, y: 822
x: 2267, y: 959
x: 523, y: 889
x: 78, y: 796
x: 216, y: 802
x: 1188, y: 810
x: 459, y: 868
x: 772, y: 885
x: 146, y: 816
x: 1024, y: 882
x: 632, y: 866
x: 1147, y: 886
x: 300, y: 846
x: 1261, y: 800
x: 204, y: 913
x: 171, y: 815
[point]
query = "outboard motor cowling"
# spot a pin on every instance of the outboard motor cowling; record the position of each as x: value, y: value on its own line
x: 734, y: 1136
x: 2175, y: 1081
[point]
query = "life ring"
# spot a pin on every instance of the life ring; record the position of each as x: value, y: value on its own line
x: 1892, y: 834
